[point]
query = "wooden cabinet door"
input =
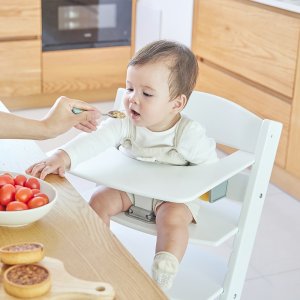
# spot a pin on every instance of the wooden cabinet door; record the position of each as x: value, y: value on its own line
x: 20, y: 65
x: 85, y: 69
x: 250, y: 40
x: 20, y: 18
x: 214, y: 81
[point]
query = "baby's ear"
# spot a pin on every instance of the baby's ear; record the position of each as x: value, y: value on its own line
x: 179, y: 103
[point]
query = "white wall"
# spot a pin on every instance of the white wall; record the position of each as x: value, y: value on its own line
x: 164, y: 19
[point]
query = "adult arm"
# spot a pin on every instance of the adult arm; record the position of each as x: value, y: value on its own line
x: 58, y: 120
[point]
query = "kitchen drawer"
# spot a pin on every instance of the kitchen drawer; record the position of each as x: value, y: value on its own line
x: 248, y: 39
x: 85, y: 69
x: 19, y: 18
x: 20, y: 64
x: 216, y: 82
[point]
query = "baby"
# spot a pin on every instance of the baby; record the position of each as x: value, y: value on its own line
x: 160, y: 79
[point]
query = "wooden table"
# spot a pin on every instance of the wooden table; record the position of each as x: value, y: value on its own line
x: 73, y: 233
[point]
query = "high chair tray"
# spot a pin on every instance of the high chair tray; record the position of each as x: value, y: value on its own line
x: 170, y: 183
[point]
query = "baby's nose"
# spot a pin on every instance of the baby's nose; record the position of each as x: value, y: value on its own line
x: 133, y: 99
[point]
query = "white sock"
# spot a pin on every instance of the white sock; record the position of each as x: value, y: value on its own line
x: 164, y: 269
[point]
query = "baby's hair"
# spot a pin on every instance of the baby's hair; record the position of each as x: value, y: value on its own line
x: 180, y: 60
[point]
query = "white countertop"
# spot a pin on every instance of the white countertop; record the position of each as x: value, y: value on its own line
x: 290, y: 5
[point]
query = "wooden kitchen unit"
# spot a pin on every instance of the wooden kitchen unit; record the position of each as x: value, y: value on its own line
x: 31, y: 78
x: 85, y: 69
x: 249, y: 53
x: 20, y: 47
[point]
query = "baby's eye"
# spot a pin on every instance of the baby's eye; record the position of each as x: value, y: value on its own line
x: 129, y: 89
x: 147, y: 94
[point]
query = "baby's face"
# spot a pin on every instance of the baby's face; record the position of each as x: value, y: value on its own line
x: 147, y: 99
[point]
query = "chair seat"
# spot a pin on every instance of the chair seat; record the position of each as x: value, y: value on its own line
x: 217, y: 222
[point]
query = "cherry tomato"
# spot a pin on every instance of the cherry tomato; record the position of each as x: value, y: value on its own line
x: 36, y: 202
x: 35, y: 191
x: 23, y: 194
x: 2, y: 207
x: 7, y: 193
x: 18, y: 187
x: 20, y: 180
x: 32, y: 183
x: 7, y: 174
x: 16, y: 205
x: 46, y: 198
x: 6, y: 179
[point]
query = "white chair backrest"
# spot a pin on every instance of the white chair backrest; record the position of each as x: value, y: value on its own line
x: 228, y: 123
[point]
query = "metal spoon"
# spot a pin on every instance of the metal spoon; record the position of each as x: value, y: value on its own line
x: 113, y: 113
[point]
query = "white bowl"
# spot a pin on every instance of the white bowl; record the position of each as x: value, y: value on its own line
x: 25, y: 217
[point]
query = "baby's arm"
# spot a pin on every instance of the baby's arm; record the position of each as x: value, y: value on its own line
x: 81, y: 148
x: 57, y: 163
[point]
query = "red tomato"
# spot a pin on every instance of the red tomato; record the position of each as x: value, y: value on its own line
x: 2, y: 207
x: 20, y: 180
x: 18, y: 187
x: 16, y: 205
x: 46, y: 198
x: 23, y: 194
x: 35, y: 191
x: 7, y: 193
x: 6, y: 179
x: 36, y: 202
x: 32, y: 183
x: 7, y: 174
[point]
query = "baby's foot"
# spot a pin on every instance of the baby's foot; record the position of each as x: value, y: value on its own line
x: 164, y: 269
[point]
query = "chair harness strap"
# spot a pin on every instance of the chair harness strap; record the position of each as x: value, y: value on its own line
x: 142, y: 209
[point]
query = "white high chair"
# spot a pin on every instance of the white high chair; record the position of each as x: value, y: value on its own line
x: 247, y: 172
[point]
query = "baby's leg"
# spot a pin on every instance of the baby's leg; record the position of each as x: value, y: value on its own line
x: 107, y: 202
x: 172, y: 220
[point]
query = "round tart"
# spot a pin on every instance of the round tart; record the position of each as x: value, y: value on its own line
x: 27, y: 281
x: 23, y: 253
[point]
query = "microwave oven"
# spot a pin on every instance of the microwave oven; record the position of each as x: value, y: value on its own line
x: 74, y: 24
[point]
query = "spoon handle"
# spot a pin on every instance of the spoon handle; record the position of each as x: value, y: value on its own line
x: 76, y: 111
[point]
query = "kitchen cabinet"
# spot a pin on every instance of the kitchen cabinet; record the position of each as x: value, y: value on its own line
x: 32, y: 78
x: 20, y: 19
x: 85, y: 69
x: 20, y: 76
x: 20, y: 47
x: 249, y: 53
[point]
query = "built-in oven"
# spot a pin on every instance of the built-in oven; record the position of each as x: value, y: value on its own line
x: 72, y: 24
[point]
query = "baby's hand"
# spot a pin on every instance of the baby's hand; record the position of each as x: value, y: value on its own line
x: 55, y: 164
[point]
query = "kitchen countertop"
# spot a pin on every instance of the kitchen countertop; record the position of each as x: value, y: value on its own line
x: 290, y: 5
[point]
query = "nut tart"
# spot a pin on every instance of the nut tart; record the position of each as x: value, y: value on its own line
x: 27, y: 281
x: 23, y: 253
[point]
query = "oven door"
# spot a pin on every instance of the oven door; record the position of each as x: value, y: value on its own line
x: 69, y: 24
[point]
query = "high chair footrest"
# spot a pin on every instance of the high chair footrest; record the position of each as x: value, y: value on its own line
x: 217, y: 223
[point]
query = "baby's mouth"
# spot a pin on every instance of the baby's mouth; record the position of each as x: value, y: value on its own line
x: 134, y: 113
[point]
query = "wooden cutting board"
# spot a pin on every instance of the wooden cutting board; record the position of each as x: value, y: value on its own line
x: 67, y: 287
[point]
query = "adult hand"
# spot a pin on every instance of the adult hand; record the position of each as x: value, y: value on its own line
x: 60, y: 117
